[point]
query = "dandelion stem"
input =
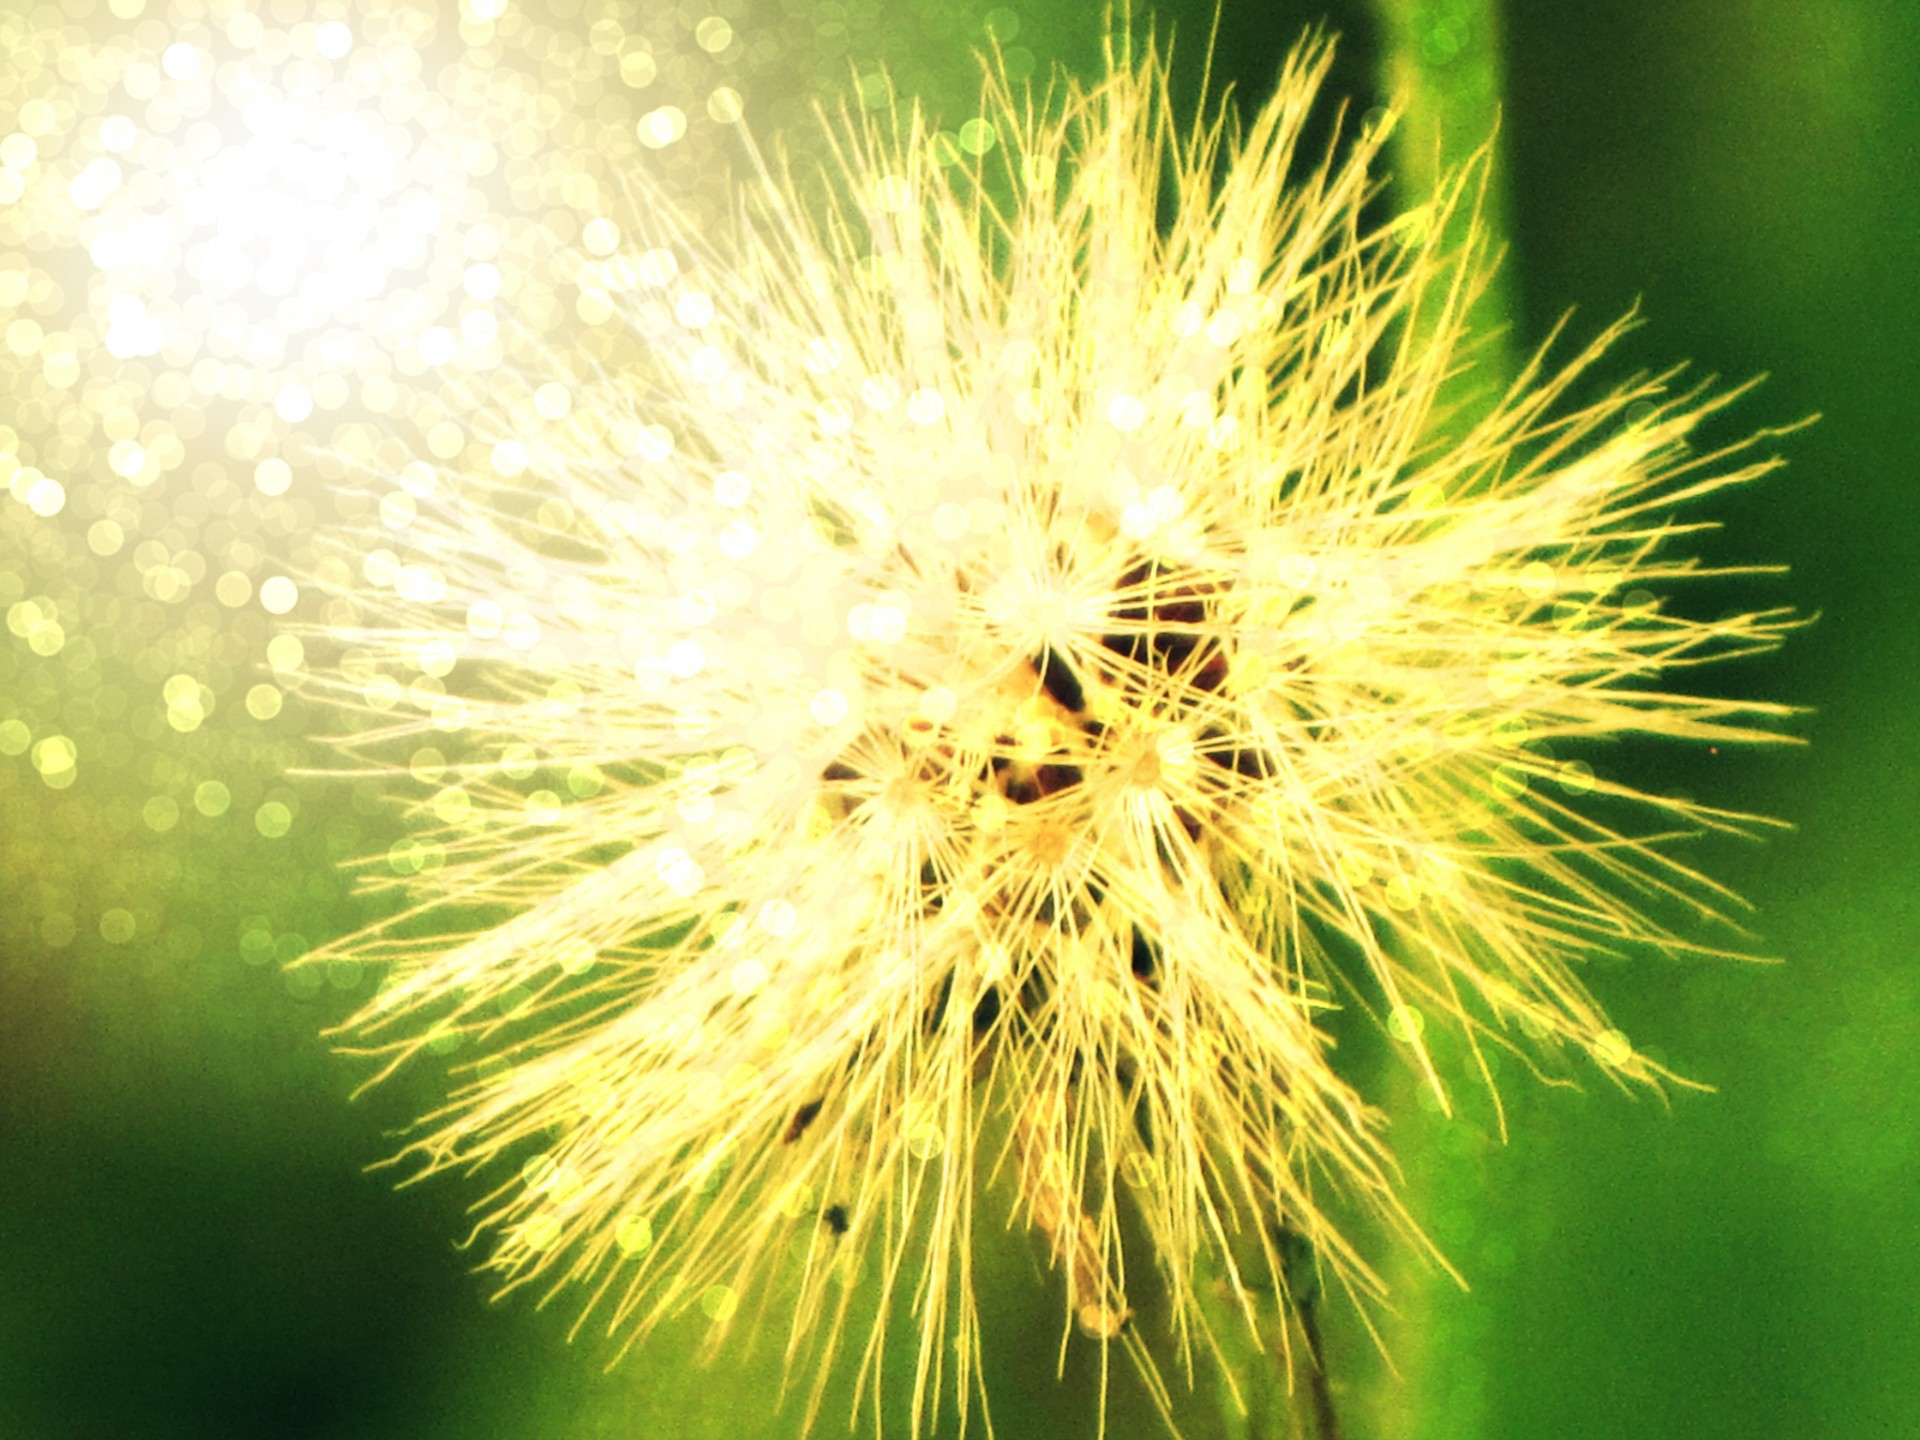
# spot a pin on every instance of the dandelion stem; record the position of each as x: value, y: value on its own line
x: 1326, y: 1424
x: 1312, y: 1390
x: 1442, y: 66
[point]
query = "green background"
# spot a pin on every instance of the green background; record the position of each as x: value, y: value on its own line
x: 189, y: 1245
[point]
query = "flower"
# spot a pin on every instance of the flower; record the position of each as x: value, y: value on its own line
x: 1024, y: 643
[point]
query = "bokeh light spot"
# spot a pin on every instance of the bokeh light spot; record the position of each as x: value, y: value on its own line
x: 273, y: 477
x: 333, y: 40
x: 278, y: 595
x: 634, y: 1235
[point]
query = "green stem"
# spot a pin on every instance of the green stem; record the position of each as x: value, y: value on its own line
x: 1313, y: 1393
x: 1442, y: 66
x: 1263, y: 1397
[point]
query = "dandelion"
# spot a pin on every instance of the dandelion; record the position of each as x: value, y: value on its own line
x: 1028, y: 642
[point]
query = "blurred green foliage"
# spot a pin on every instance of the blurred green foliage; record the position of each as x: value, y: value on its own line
x: 189, y: 1245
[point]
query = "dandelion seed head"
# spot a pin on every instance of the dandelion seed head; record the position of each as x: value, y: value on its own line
x: 1004, y: 669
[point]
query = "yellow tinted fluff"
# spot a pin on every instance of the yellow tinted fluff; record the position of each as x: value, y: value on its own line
x: 1027, y: 646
